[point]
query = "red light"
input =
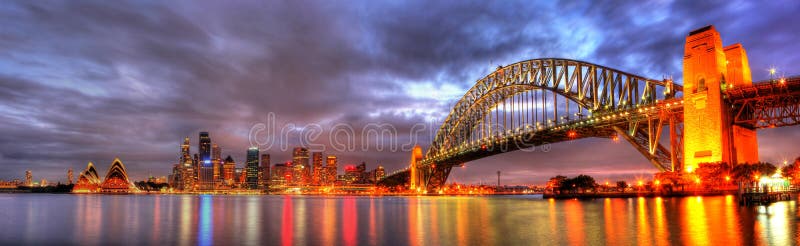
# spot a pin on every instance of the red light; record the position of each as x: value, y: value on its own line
x: 572, y: 134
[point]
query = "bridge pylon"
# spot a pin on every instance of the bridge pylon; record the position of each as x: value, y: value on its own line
x: 415, y: 177
x: 708, y: 70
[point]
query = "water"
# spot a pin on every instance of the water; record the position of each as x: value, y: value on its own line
x: 306, y: 220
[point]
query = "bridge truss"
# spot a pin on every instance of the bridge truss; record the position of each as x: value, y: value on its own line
x: 541, y: 101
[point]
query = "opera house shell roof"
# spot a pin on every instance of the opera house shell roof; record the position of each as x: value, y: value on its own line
x: 116, y: 180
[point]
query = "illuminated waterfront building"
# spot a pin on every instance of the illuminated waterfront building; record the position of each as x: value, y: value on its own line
x: 174, y: 178
x: 206, y: 168
x: 88, y: 180
x: 228, y: 171
x: 251, y: 166
x: 185, y: 156
x: 263, y: 172
x: 28, y: 178
x: 331, y: 169
x: 216, y: 162
x: 184, y: 174
x: 240, y: 177
x: 281, y: 174
x: 379, y: 173
x: 301, y: 165
x: 350, y: 174
x: 316, y: 176
x: 116, y: 179
x: 43, y: 183
x: 204, y: 147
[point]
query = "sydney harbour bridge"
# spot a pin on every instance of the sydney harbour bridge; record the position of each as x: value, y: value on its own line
x: 711, y: 118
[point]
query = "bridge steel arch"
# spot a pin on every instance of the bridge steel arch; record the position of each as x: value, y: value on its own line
x: 595, y: 101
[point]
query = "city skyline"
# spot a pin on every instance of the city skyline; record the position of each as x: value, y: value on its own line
x: 120, y: 104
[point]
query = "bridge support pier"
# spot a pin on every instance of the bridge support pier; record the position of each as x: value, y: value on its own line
x: 708, y: 70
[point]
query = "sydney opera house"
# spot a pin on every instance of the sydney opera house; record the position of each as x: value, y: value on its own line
x: 115, y: 181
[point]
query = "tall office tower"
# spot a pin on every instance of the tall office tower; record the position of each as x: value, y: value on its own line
x: 263, y: 172
x: 330, y: 170
x: 206, y: 172
x: 302, y: 167
x: 204, y: 147
x: 175, y: 177
x: 216, y: 162
x: 316, y: 160
x: 228, y: 170
x: 28, y: 178
x: 186, y: 157
x: 70, y: 176
x: 196, y: 165
x: 252, y: 168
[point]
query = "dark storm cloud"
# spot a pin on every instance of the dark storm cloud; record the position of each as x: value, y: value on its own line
x: 91, y: 80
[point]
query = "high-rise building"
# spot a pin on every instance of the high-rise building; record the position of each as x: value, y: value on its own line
x: 206, y: 172
x: 216, y: 162
x: 185, y: 174
x: 228, y: 170
x: 70, y: 176
x: 204, y: 147
x: 28, y: 178
x: 185, y: 156
x: 330, y: 170
x: 301, y: 165
x: 241, y: 177
x: 263, y: 172
x: 251, y: 167
x: 316, y: 160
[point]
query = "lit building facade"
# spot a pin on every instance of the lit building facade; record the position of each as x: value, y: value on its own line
x: 331, y: 170
x: 216, y: 162
x: 301, y: 165
x: 206, y: 170
x: 28, y: 178
x: 251, y: 167
x: 316, y: 160
x: 263, y: 172
x: 228, y: 171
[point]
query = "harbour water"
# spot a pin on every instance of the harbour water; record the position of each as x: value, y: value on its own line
x: 68, y: 219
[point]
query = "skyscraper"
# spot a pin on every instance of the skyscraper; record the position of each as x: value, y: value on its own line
x: 216, y: 162
x: 302, y: 167
x: 204, y: 147
x: 28, y: 178
x: 263, y: 172
x: 206, y: 173
x: 316, y: 159
x: 252, y: 168
x: 186, y: 157
x: 228, y: 170
x: 330, y: 170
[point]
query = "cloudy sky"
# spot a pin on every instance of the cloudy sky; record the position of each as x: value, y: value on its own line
x: 85, y: 81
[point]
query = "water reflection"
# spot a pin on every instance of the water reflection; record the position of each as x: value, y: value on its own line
x: 287, y: 229
x: 204, y: 232
x: 287, y: 220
